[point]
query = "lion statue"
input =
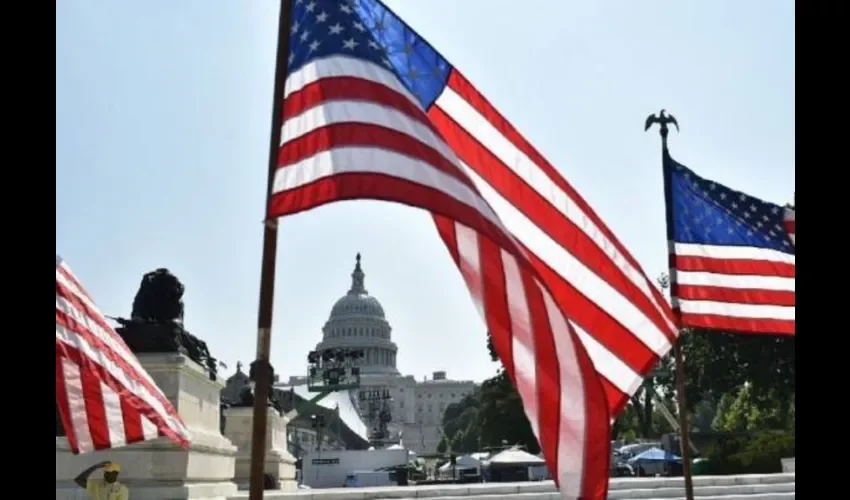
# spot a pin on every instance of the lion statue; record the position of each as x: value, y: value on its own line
x: 159, y: 299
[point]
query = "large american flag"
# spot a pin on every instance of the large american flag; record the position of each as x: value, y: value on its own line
x: 732, y: 257
x: 371, y: 110
x: 104, y: 396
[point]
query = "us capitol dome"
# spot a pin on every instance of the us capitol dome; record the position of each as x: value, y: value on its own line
x: 357, y: 321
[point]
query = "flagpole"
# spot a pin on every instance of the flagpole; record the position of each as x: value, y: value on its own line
x: 262, y: 366
x: 684, y: 437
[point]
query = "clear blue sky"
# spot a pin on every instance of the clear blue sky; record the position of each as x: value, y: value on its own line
x: 162, y: 125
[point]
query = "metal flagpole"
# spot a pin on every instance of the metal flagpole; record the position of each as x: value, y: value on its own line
x: 663, y: 119
x: 264, y: 316
x: 683, y: 419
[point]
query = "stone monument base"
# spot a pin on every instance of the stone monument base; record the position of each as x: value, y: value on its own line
x: 160, y: 469
x: 280, y: 464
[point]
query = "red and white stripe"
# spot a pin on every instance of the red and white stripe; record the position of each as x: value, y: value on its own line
x: 624, y: 322
x: 562, y: 298
x: 737, y: 289
x: 791, y: 224
x: 543, y: 356
x: 104, y: 396
x: 352, y: 130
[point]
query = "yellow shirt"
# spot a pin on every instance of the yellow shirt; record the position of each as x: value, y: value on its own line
x: 101, y: 490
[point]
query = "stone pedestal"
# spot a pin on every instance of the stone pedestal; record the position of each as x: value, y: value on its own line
x: 280, y: 464
x: 160, y: 469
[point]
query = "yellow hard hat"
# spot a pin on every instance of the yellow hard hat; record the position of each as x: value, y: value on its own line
x: 112, y: 467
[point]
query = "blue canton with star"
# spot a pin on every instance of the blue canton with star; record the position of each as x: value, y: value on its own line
x: 708, y: 213
x: 368, y: 30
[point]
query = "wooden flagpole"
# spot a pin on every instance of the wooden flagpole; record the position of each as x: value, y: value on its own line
x: 262, y: 366
x: 684, y: 438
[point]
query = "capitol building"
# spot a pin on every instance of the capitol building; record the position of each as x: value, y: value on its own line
x: 358, y: 321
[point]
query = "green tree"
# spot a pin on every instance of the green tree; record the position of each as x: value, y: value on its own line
x: 459, y: 416
x: 720, y: 364
x: 502, y: 417
x: 442, y: 445
x: 456, y: 441
x: 491, y: 415
x: 745, y: 411
x: 628, y: 426
x: 660, y: 384
x: 737, y: 410
x: 703, y: 416
x: 625, y: 425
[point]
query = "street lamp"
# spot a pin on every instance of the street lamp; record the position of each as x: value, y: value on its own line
x: 333, y: 370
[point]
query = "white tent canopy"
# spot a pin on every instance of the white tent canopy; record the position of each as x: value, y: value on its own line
x: 463, y: 462
x: 515, y: 456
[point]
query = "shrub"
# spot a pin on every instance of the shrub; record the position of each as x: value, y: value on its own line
x: 719, y: 454
x: 763, y: 454
x: 760, y: 453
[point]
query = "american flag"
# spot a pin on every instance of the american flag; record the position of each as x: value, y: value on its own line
x: 731, y: 257
x: 104, y: 396
x: 371, y: 110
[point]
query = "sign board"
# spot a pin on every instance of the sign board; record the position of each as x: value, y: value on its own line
x: 325, y: 461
